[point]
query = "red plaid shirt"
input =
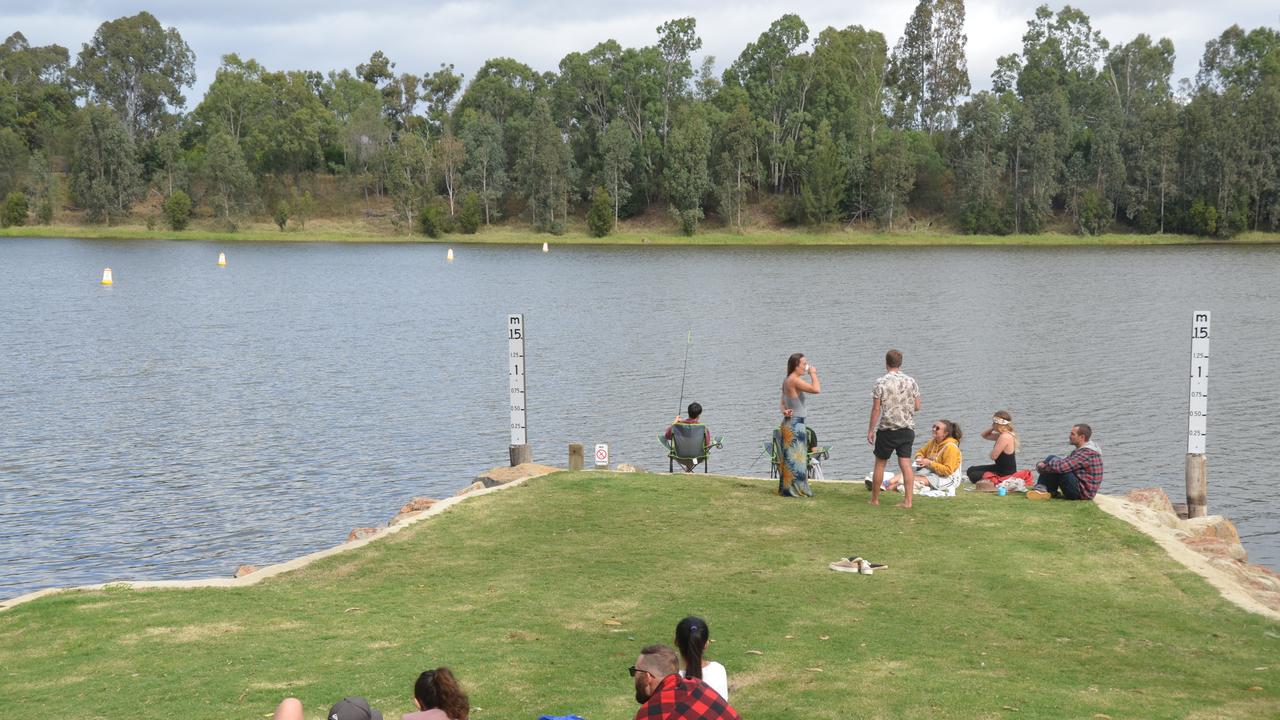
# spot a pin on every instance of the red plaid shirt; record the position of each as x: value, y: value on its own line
x: 1086, y: 463
x: 680, y: 698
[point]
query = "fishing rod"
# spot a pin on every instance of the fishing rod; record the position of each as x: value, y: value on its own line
x: 684, y: 373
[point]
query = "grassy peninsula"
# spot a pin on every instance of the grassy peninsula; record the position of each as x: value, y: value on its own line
x: 540, y: 596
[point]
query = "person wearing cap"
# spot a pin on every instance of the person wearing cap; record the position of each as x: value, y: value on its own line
x: 351, y: 708
x: 664, y: 694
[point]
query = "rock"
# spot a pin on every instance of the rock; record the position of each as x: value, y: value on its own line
x: 1215, y: 526
x: 1152, y: 497
x: 506, y: 474
x: 417, y: 504
x: 477, y: 485
x: 1212, y: 547
x: 245, y: 570
x: 361, y: 533
x: 623, y: 467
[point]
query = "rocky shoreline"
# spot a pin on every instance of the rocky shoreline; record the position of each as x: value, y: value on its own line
x: 1209, y: 546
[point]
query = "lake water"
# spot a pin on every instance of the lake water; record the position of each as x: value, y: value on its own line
x: 190, y: 418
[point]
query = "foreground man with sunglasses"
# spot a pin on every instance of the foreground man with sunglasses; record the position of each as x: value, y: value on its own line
x: 664, y: 694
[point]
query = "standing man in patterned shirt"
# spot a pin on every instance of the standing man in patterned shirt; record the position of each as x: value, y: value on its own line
x: 894, y: 404
x: 664, y: 694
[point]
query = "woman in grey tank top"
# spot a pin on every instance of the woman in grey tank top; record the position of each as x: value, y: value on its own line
x: 793, y: 458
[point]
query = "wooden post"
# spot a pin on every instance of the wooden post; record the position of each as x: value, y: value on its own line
x: 1197, y: 486
x: 575, y: 456
x: 520, y: 454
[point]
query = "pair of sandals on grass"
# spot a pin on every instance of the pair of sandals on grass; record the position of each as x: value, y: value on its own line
x: 856, y: 565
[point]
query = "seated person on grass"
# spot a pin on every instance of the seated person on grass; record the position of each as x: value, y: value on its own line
x: 664, y: 695
x: 1074, y: 477
x: 937, y: 464
x: 694, y: 418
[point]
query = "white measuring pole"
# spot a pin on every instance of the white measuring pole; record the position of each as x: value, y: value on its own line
x: 1198, y: 417
x: 516, y: 369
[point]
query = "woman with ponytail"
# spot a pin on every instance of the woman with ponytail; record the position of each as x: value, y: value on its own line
x: 692, y: 635
x: 439, y: 697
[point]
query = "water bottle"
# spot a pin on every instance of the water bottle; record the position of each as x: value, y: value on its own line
x: 1001, y: 492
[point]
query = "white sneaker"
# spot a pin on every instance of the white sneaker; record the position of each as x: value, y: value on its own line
x: 849, y: 565
x: 864, y: 567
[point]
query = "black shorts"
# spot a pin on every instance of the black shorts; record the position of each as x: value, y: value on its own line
x: 899, y: 439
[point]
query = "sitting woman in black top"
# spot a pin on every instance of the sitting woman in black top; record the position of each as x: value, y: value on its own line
x: 1002, y: 452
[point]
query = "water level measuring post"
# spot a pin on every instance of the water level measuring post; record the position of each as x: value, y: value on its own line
x: 520, y: 450
x: 1198, y: 417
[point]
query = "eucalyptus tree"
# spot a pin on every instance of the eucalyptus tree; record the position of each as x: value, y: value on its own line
x: 450, y: 154
x: 585, y: 100
x: 1239, y: 79
x: 410, y: 164
x: 929, y: 72
x: 677, y: 41
x: 826, y: 177
x: 980, y: 162
x: 228, y: 182
x: 1137, y: 76
x: 737, y: 165
x: 544, y: 169
x: 486, y: 162
x: 14, y: 160
x: 506, y: 90
x: 892, y: 176
x: 686, y: 176
x: 37, y: 99
x: 139, y: 69
x: 105, y: 176
x: 618, y: 151
x: 439, y: 91
x: 848, y: 93
x: 777, y: 78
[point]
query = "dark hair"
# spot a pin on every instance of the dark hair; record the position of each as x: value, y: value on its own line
x: 893, y: 358
x: 695, y: 410
x: 692, y: 635
x: 1084, y: 431
x: 793, y: 362
x: 953, y: 429
x: 440, y: 689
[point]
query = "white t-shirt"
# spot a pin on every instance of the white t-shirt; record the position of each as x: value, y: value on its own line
x: 713, y: 674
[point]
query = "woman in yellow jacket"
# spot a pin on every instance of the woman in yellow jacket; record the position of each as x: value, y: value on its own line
x: 937, y: 463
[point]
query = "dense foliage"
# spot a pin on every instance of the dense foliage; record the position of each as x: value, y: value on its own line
x: 834, y: 128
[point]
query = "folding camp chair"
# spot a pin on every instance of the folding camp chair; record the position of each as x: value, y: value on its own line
x: 688, y: 444
x: 816, y: 454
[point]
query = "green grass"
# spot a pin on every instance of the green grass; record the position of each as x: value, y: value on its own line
x: 540, y: 596
x: 321, y: 232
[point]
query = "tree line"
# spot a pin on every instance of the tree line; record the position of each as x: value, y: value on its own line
x: 836, y: 128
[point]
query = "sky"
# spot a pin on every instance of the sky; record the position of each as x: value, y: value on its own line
x: 418, y: 36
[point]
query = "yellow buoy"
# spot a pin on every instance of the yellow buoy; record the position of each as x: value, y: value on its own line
x: 106, y: 276
x: 449, y: 257
x: 545, y: 248
x: 222, y: 259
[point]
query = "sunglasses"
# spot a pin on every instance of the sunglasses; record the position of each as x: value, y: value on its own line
x: 633, y: 670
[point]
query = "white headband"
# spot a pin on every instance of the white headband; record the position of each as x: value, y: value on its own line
x: 999, y: 421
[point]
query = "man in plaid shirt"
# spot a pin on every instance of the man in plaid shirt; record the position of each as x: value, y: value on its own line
x: 664, y: 694
x: 1076, y: 476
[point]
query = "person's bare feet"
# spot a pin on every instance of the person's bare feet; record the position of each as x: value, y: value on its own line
x: 874, y: 501
x: 904, y: 505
